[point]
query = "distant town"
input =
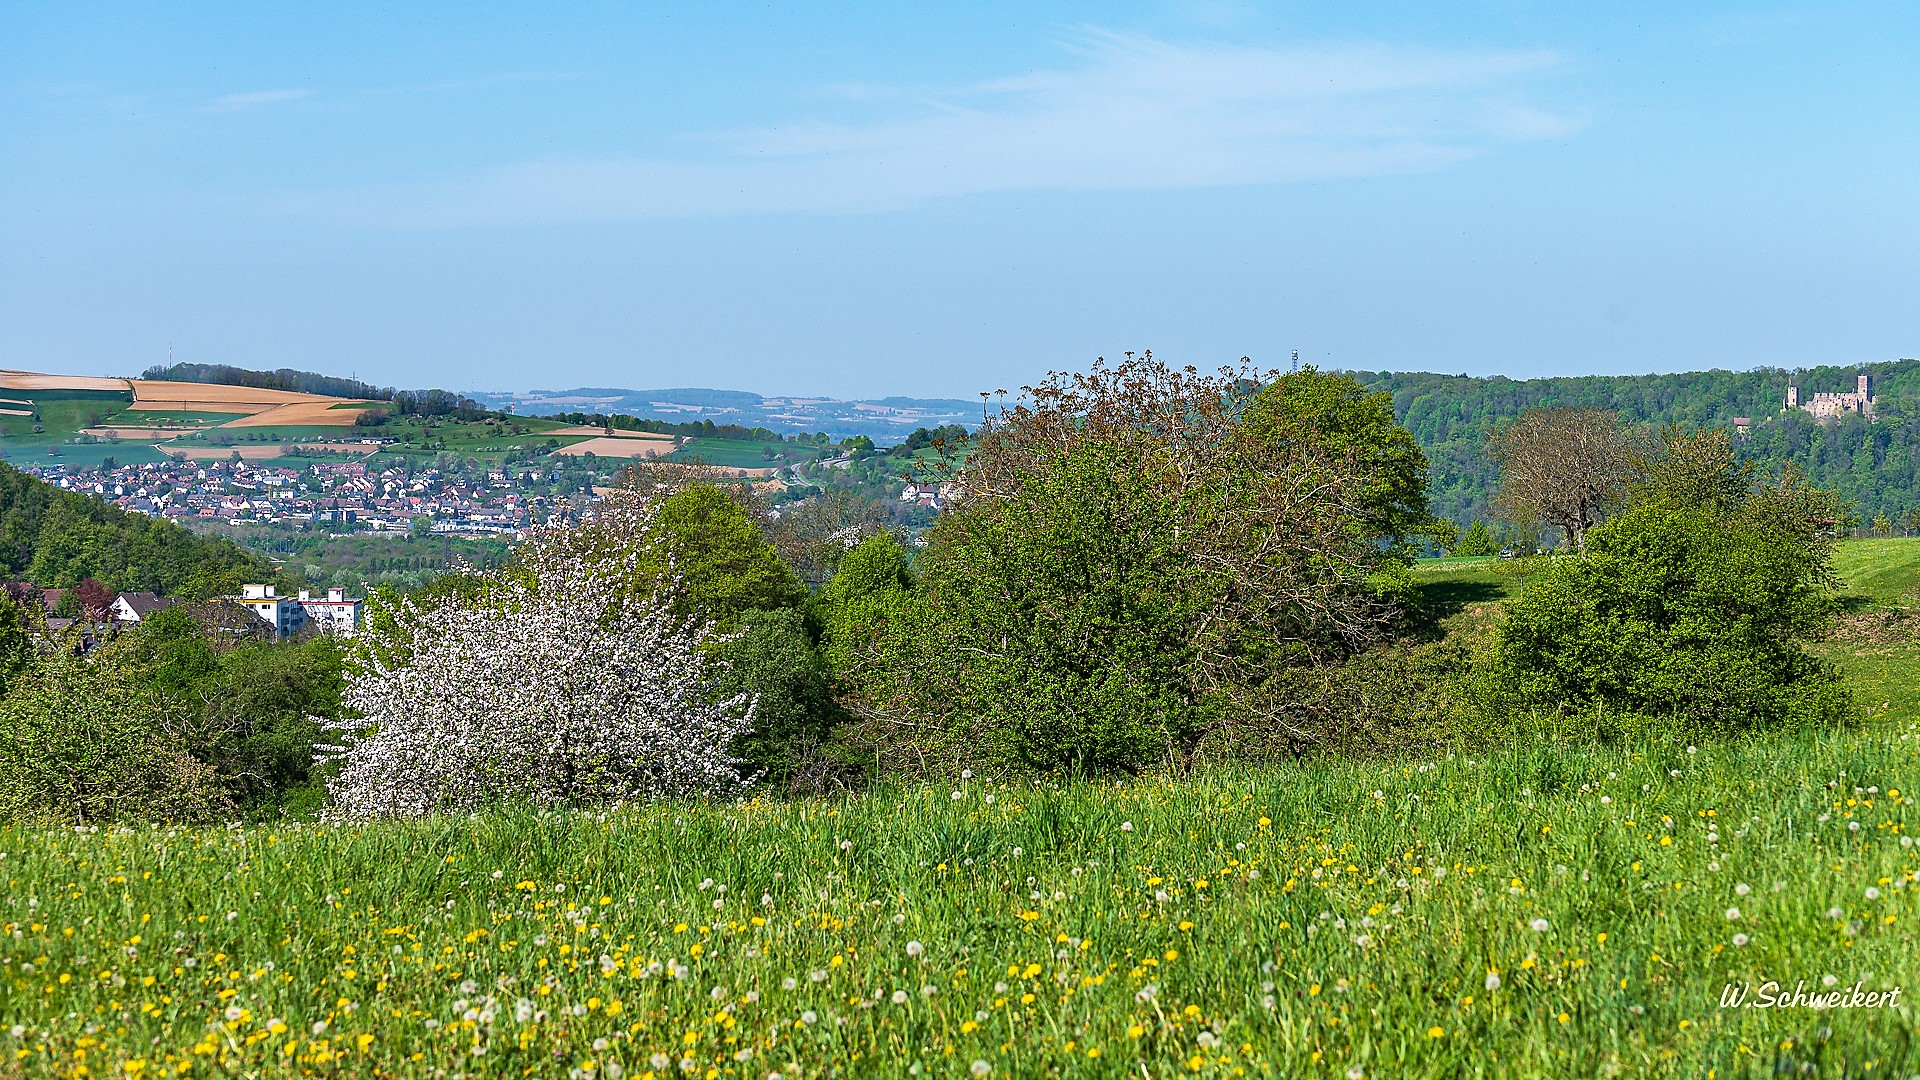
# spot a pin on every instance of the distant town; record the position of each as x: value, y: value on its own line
x: 340, y: 496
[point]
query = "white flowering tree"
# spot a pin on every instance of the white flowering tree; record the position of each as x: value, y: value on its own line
x: 550, y: 684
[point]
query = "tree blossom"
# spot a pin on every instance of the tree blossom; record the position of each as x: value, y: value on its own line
x: 548, y: 684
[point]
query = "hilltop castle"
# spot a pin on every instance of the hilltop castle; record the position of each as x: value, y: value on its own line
x: 1833, y: 406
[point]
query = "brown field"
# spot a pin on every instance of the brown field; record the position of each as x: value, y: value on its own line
x: 253, y: 452
x: 33, y: 380
x: 317, y: 411
x: 602, y: 446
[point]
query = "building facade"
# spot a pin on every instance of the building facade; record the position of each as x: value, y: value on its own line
x: 335, y: 614
x: 283, y: 613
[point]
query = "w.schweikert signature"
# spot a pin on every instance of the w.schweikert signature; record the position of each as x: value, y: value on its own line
x: 1829, y: 995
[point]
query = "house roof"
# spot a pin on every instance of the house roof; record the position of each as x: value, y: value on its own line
x: 144, y: 603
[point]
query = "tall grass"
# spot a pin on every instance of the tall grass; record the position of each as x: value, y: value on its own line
x: 1540, y: 911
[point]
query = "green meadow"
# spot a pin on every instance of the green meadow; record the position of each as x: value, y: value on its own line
x: 1489, y: 910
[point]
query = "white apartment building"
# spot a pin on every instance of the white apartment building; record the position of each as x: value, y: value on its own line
x: 333, y: 615
x: 283, y: 613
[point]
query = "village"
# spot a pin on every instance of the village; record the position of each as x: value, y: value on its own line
x: 336, y: 496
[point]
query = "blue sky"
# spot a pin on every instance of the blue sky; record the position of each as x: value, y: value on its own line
x: 861, y: 200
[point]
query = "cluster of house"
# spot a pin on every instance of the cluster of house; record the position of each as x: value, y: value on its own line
x: 343, y: 496
x: 934, y: 495
x: 258, y: 609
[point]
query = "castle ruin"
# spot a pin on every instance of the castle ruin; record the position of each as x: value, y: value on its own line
x: 1834, y: 406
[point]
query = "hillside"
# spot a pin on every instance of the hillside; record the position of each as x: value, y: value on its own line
x: 56, y: 539
x: 884, y: 420
x: 1875, y: 464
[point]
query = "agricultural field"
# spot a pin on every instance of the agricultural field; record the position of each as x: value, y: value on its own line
x: 736, y: 454
x: 144, y: 419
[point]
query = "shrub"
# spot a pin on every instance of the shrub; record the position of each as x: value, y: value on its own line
x: 250, y: 711
x: 548, y: 688
x: 1476, y: 541
x: 82, y: 742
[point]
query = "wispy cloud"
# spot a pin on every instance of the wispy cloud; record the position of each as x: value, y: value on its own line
x: 1130, y: 113
x: 253, y: 99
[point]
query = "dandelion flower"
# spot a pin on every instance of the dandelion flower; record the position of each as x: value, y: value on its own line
x: 1539, y: 926
x: 1733, y: 914
x: 929, y: 991
x: 899, y: 997
x: 958, y: 795
x: 1493, y: 981
x: 980, y: 1068
x: 809, y: 1017
x: 1835, y: 913
x: 1739, y: 939
x: 1872, y: 893
x: 1126, y: 826
x: 1742, y: 889
x: 914, y: 948
x: 1828, y: 980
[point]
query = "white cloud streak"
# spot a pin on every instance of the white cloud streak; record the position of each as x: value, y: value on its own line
x: 253, y: 99
x: 1133, y: 114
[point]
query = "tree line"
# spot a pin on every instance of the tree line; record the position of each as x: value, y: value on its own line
x: 56, y: 538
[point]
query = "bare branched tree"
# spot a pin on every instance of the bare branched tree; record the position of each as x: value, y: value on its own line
x: 1565, y: 467
x: 813, y: 536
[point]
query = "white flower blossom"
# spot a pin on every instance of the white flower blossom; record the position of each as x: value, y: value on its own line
x: 547, y: 685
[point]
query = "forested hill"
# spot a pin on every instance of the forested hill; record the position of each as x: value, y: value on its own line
x: 301, y: 382
x: 56, y: 539
x: 1876, y: 465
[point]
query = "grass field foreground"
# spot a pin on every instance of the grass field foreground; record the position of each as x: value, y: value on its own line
x: 1538, y: 912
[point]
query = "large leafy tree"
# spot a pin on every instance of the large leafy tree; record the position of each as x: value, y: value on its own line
x: 1133, y: 559
x: 1333, y: 416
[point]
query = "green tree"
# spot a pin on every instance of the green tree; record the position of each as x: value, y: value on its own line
x: 868, y: 593
x: 725, y: 565
x: 1322, y: 413
x: 1476, y: 541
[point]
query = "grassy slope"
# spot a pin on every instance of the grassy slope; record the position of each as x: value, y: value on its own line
x: 1635, y: 858
x: 1370, y: 921
x: 1884, y: 571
